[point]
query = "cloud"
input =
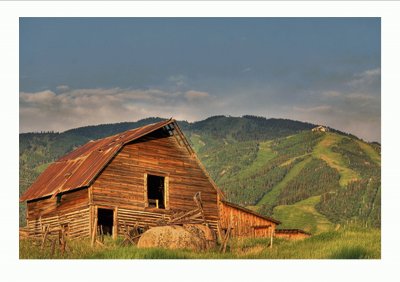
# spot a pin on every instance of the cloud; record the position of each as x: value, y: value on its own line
x: 178, y: 80
x: 331, y: 94
x: 321, y: 109
x: 62, y: 88
x: 353, y: 105
x: 193, y: 95
x: 366, y: 78
x: 47, y: 110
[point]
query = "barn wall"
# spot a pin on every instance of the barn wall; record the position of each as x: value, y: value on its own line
x: 72, y: 210
x: 129, y: 217
x: 245, y: 224
x: 78, y: 223
x: 122, y: 183
x: 46, y: 207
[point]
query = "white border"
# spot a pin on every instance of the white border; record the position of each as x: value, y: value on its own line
x: 189, y: 270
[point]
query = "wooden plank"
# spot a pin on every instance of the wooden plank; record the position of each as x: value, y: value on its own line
x: 226, y: 238
x: 94, y: 230
x: 123, y: 182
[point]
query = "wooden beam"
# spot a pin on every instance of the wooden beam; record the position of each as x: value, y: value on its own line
x: 94, y: 230
x: 46, y: 232
x: 226, y: 238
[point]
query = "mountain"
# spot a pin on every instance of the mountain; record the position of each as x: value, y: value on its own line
x: 311, y: 180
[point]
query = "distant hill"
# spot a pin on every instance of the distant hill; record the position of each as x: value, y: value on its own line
x: 279, y: 167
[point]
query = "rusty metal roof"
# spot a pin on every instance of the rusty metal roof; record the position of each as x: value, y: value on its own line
x: 81, y: 166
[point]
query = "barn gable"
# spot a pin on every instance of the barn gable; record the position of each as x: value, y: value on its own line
x: 155, y: 173
x: 80, y: 167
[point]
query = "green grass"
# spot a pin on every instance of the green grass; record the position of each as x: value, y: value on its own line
x: 303, y: 215
x: 373, y: 154
x: 354, y: 243
x: 42, y: 167
x: 197, y: 143
x: 264, y: 155
x: 271, y: 197
x: 334, y: 160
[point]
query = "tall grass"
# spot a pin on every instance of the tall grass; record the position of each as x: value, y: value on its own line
x: 351, y: 243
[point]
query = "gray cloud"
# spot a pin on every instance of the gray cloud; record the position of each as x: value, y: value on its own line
x: 62, y: 88
x: 193, y: 95
x: 352, y: 106
x: 366, y: 78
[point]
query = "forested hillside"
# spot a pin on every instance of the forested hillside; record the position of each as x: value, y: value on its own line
x: 309, y: 180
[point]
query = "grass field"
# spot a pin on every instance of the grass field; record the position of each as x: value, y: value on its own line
x: 271, y: 196
x: 303, y: 215
x: 264, y: 155
x: 349, y: 243
x: 370, y: 152
x: 334, y: 160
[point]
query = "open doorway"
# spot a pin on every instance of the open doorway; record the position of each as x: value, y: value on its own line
x: 156, y: 191
x: 105, y: 219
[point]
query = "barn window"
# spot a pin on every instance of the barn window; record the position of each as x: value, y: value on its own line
x: 105, y: 219
x: 156, y: 191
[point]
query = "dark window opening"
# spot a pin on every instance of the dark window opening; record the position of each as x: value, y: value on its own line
x: 58, y: 199
x: 155, y: 191
x: 105, y: 219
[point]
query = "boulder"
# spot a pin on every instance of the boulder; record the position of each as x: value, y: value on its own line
x: 195, y: 237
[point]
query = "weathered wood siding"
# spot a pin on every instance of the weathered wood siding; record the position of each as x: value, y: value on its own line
x: 244, y: 224
x: 78, y: 223
x: 122, y: 183
x: 46, y: 207
x: 72, y: 210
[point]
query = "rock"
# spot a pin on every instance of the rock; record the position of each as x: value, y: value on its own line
x: 190, y: 236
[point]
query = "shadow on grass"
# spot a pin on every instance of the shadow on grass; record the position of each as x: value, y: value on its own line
x: 351, y: 253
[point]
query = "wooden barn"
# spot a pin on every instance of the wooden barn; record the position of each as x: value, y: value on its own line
x: 146, y: 177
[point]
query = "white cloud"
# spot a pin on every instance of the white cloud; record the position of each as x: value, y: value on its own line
x: 47, y: 110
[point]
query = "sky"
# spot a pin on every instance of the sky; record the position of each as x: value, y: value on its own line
x: 84, y: 71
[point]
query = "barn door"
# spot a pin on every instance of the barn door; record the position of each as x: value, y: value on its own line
x: 105, y: 220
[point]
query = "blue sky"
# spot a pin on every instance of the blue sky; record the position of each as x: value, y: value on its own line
x: 81, y: 71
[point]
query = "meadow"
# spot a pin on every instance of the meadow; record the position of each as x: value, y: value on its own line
x: 344, y: 243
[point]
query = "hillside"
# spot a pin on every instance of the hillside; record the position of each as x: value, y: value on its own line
x: 309, y: 180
